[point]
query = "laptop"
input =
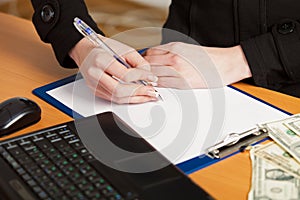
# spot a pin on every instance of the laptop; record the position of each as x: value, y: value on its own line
x: 57, y: 163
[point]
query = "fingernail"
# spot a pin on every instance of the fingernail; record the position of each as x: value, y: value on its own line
x: 152, y: 78
x: 154, y: 84
x: 153, y: 94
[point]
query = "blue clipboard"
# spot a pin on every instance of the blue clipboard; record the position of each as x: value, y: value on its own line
x: 187, y: 167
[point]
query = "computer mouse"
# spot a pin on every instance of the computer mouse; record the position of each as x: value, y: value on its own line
x: 17, y: 113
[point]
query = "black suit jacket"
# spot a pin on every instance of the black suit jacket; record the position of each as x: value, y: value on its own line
x: 267, y: 30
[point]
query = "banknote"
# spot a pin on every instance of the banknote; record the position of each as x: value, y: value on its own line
x: 294, y: 125
x: 271, y: 183
x: 277, y: 156
x: 284, y: 137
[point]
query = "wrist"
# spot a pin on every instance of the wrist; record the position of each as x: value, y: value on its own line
x: 79, y: 52
x: 242, y: 65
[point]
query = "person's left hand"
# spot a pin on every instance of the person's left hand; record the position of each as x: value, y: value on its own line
x: 184, y: 66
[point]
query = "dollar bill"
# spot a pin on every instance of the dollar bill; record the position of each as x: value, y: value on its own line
x: 294, y: 125
x: 271, y: 183
x: 277, y: 156
x: 284, y: 137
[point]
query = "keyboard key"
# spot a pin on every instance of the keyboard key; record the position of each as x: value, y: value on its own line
x: 72, y: 139
x: 31, y: 183
x: 15, y: 165
x: 26, y: 177
x: 36, y: 171
x: 17, y: 152
x: 55, y: 138
x: 21, y: 171
x: 67, y: 151
x: 89, y: 158
x: 76, y: 176
x: 61, y: 144
x: 55, y: 193
x: 93, y: 176
x: 99, y: 183
x: 37, y: 189
x: 24, y: 160
x: 62, y: 163
x: 66, y: 133
x: 63, y: 183
x: 44, y: 144
x: 95, y: 195
x: 82, y: 184
x: 86, y: 169
x: 43, y: 195
x: 77, y: 145
x: 31, y: 149
x: 72, y: 190
x: 78, y: 196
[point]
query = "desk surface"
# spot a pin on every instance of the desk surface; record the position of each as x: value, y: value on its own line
x: 26, y: 63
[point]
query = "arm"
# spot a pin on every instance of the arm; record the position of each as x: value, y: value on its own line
x: 53, y: 20
x: 274, y: 57
x: 271, y: 59
x: 184, y: 66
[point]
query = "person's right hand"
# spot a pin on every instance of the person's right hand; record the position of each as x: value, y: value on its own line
x: 101, y: 71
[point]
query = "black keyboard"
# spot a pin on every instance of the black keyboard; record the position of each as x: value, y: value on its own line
x: 56, y: 165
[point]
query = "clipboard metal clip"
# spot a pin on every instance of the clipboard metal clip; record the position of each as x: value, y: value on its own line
x: 236, y: 141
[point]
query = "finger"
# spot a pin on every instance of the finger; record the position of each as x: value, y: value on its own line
x: 130, y: 75
x: 133, y: 90
x: 134, y: 100
x: 102, y: 93
x: 134, y: 75
x: 134, y: 59
x: 166, y: 59
x: 99, y: 78
x: 111, y: 96
x: 122, y: 100
x: 161, y: 49
x: 173, y: 82
x: 129, y: 55
x: 156, y: 51
x: 160, y: 71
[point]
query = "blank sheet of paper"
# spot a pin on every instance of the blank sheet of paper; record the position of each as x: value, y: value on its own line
x: 183, y: 125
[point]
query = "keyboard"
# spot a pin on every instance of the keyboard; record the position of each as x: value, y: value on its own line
x: 55, y: 164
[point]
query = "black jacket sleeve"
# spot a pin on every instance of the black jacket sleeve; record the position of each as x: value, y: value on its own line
x: 274, y: 57
x: 267, y: 30
x: 53, y: 20
x: 270, y: 38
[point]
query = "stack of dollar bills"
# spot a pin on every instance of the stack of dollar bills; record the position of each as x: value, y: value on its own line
x: 276, y: 165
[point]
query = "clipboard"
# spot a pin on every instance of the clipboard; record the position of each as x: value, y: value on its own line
x: 225, y: 149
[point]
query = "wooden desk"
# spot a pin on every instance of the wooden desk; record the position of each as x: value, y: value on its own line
x: 26, y: 63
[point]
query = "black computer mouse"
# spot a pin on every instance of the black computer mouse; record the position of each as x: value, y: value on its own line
x: 17, y: 113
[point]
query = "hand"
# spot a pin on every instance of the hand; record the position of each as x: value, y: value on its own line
x: 184, y: 66
x: 101, y: 72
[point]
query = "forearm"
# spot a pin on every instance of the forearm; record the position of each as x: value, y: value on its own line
x: 53, y: 20
x: 274, y: 58
x: 230, y: 62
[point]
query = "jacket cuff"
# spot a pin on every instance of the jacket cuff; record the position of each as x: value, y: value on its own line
x: 53, y: 20
x: 287, y: 40
x: 262, y: 56
x: 274, y: 57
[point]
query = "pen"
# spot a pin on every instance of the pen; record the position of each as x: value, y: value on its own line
x: 89, y: 33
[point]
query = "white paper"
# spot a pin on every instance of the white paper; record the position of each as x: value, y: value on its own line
x: 205, y: 116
